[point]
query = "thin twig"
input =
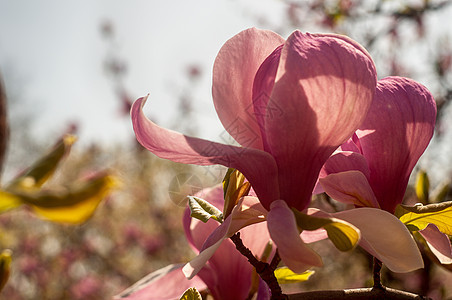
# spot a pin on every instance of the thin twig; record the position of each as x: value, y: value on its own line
x: 263, y: 269
x: 377, y: 274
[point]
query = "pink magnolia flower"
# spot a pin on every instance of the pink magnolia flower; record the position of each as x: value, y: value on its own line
x: 374, y: 167
x: 227, y: 275
x: 289, y: 103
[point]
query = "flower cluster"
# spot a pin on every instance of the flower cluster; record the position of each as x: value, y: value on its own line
x: 310, y: 116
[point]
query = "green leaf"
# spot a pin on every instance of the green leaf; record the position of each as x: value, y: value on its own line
x: 5, y: 267
x: 422, y: 186
x: 419, y: 216
x: 342, y: 234
x: 191, y: 294
x: 285, y: 275
x: 203, y: 210
x: 74, y: 205
x: 42, y: 169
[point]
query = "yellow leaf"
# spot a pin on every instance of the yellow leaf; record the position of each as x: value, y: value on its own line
x: 419, y: 216
x: 42, y: 169
x: 74, y: 206
x: 234, y: 189
x: 285, y: 275
x: 191, y: 294
x: 342, y: 234
x: 5, y: 266
x: 8, y: 201
x: 422, y: 187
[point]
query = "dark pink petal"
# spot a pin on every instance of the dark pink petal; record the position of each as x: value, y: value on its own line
x: 350, y: 187
x: 258, y: 166
x: 284, y: 232
x: 262, y: 89
x: 233, y: 76
x: 438, y: 243
x: 323, y: 89
x: 168, y: 283
x: 394, y: 135
x: 346, y: 161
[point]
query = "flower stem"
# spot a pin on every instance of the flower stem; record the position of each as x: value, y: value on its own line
x: 377, y: 274
x: 265, y: 271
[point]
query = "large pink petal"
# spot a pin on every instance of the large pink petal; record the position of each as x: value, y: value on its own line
x: 168, y: 283
x: 284, y: 232
x: 438, y: 242
x: 233, y: 76
x: 323, y: 88
x: 350, y: 187
x: 258, y: 166
x: 394, y: 135
x: 385, y: 237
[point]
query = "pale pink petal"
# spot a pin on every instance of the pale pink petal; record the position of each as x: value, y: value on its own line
x: 165, y: 284
x: 248, y: 211
x: 284, y: 232
x: 394, y: 135
x: 310, y: 125
x: 438, y: 243
x: 385, y: 237
x: 233, y: 76
x: 349, y: 187
x: 258, y: 166
x: 311, y: 236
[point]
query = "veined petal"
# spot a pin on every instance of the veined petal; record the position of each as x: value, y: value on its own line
x: 284, y: 232
x: 346, y: 161
x: 385, y: 237
x: 350, y: 187
x: 258, y: 166
x: 438, y: 243
x: 168, y: 283
x: 394, y: 135
x: 233, y: 75
x: 311, y: 123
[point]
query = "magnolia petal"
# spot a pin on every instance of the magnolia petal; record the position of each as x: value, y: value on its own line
x: 284, y: 232
x: 233, y: 75
x: 346, y: 161
x: 247, y: 212
x: 258, y: 166
x: 350, y: 187
x: 165, y: 284
x: 438, y: 243
x: 310, y: 126
x: 385, y: 237
x: 394, y: 135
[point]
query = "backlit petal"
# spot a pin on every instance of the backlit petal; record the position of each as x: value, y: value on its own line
x: 394, y: 135
x: 168, y: 283
x: 258, y: 166
x: 438, y: 243
x: 350, y: 187
x: 284, y: 232
x: 233, y: 75
x: 321, y: 81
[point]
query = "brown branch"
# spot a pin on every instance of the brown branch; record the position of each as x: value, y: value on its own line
x: 377, y: 274
x: 4, y: 130
x: 264, y: 270
x: 358, y: 294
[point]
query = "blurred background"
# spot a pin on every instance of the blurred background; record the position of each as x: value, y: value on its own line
x: 76, y: 66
